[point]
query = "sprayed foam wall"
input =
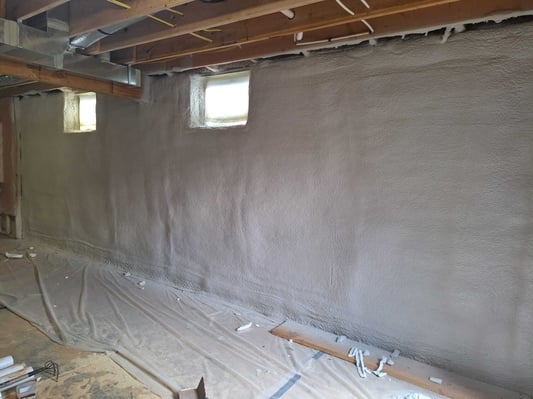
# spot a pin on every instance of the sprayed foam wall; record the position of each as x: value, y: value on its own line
x: 384, y: 193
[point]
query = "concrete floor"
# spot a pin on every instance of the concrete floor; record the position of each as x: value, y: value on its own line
x: 82, y: 374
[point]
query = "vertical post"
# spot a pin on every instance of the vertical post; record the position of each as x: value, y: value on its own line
x: 18, y: 175
x: 10, y: 207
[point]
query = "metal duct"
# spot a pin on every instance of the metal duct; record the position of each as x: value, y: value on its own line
x: 50, y: 43
x: 98, y: 68
x: 88, y: 39
x: 51, y: 49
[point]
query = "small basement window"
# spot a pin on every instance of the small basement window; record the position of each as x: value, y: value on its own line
x: 221, y: 100
x: 80, y: 112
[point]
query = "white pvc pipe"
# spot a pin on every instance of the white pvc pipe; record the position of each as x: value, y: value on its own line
x: 344, y: 7
x: 370, y: 28
x: 31, y: 378
x: 6, y: 362
x: 11, y: 370
x: 13, y: 378
x: 288, y: 13
x: 332, y: 39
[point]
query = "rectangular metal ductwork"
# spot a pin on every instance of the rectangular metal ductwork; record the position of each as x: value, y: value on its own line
x: 51, y: 48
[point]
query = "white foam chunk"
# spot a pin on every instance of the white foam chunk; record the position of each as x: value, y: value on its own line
x: 395, y: 353
x: 12, y: 255
x: 436, y: 380
x: 244, y: 327
x: 340, y: 338
x: 351, y: 352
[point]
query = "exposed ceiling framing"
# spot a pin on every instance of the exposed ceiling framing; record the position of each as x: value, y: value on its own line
x: 21, y: 10
x: 61, y: 78
x: 158, y: 36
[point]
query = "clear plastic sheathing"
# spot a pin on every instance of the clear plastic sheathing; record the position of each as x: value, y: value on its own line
x: 169, y: 338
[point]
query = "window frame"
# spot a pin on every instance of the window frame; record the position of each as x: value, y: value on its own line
x: 199, y: 84
x: 72, y: 114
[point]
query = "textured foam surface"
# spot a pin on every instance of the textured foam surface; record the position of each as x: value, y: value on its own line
x: 383, y: 193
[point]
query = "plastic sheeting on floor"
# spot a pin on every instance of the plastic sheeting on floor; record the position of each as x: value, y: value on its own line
x: 169, y: 338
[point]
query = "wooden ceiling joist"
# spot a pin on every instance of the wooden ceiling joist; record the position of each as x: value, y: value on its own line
x: 314, y: 17
x: 62, y: 78
x: 247, y: 31
x: 234, y: 53
x: 386, y: 26
x: 24, y: 9
x: 213, y: 15
x: 164, y: 35
x: 87, y: 16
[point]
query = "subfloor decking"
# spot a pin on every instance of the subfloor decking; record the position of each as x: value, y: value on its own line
x: 83, y: 375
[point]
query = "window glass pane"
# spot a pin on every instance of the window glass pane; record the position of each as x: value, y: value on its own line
x: 226, y: 100
x: 87, y: 111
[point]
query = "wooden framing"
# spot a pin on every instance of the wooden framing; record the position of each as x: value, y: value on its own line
x: 60, y: 78
x: 86, y: 16
x: 315, y: 17
x: 24, y: 9
x: 183, y: 34
x: 226, y: 55
x: 195, y: 57
x: 243, y: 32
x: 213, y: 15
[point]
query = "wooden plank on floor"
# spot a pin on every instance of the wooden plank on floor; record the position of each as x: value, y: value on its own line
x: 416, y: 373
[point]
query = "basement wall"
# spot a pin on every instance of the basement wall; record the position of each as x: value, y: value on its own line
x: 385, y: 193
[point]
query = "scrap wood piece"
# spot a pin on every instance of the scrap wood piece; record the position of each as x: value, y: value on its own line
x: 317, y: 339
x: 416, y: 373
x: 195, y: 393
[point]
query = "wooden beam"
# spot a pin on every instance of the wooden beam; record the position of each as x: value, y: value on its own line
x: 222, y: 56
x: 86, y: 16
x: 258, y: 29
x: 453, y: 385
x: 3, y: 9
x: 24, y: 88
x: 384, y: 27
x: 243, y: 32
x: 24, y: 9
x: 62, y: 78
x: 205, y: 17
